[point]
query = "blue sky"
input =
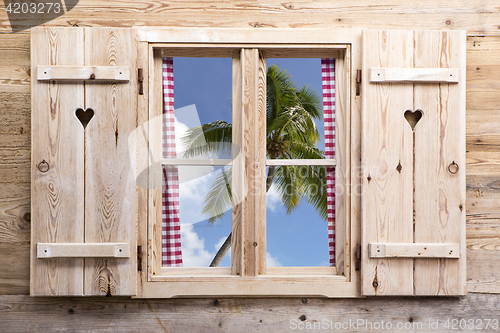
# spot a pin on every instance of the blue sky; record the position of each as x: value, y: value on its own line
x: 203, y: 89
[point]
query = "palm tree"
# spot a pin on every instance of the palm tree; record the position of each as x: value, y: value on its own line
x: 291, y: 133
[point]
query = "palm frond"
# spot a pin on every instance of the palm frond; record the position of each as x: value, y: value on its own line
x: 315, y: 190
x: 219, y: 197
x: 311, y: 102
x: 290, y: 185
x: 300, y: 150
x: 212, y: 137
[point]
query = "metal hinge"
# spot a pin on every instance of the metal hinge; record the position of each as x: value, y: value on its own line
x: 140, y: 78
x: 358, y: 82
x: 139, y: 258
x: 357, y: 256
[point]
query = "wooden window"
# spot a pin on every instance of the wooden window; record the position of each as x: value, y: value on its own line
x: 398, y: 199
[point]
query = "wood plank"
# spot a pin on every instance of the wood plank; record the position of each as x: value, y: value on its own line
x: 110, y: 194
x: 483, y: 211
x: 238, y: 172
x: 387, y: 160
x: 15, y: 63
x: 15, y: 214
x: 482, y: 163
x: 439, y: 196
x: 307, y: 162
x: 472, y: 17
x: 342, y: 171
x: 83, y: 250
x: 414, y: 250
x: 15, y: 127
x: 87, y: 73
x: 483, y: 77
x: 15, y: 50
x: 15, y: 272
x: 294, y: 271
x: 252, y: 164
x: 483, y: 132
x: 15, y: 165
x: 428, y: 75
x: 155, y: 130
x: 479, y: 18
x: 16, y: 73
x: 260, y: 172
x: 23, y: 313
x: 143, y: 163
x: 211, y: 35
x: 482, y: 263
x: 57, y: 138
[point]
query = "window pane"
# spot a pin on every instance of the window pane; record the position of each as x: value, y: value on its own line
x: 196, y: 217
x: 301, y: 125
x: 294, y: 107
x: 196, y: 125
x: 200, y: 89
x: 296, y: 215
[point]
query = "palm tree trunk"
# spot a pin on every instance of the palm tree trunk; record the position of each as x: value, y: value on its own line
x: 227, y: 243
x: 270, y: 177
x: 222, y: 251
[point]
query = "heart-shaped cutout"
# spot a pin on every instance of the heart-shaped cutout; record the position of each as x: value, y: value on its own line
x: 84, y: 116
x: 412, y: 117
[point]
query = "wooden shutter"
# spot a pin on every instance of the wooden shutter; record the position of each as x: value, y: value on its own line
x: 413, y: 196
x: 83, y: 190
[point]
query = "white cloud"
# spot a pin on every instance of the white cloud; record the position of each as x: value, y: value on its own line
x: 272, y: 261
x: 193, y: 249
x: 273, y: 199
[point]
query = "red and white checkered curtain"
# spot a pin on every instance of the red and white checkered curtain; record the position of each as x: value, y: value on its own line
x: 171, y: 225
x: 328, y: 78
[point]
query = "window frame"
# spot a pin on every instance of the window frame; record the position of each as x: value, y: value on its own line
x: 295, y: 281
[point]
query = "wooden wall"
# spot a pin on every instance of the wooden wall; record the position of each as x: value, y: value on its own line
x: 481, y: 19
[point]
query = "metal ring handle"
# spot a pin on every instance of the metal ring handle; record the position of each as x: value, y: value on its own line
x: 43, y: 166
x: 453, y: 168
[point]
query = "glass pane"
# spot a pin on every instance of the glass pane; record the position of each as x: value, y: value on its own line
x: 296, y: 215
x: 196, y: 215
x: 196, y: 125
x: 294, y: 108
x: 198, y: 93
x: 301, y: 125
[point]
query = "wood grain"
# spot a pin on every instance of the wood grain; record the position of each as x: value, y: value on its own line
x: 143, y: 161
x: 477, y: 17
x: 414, y: 250
x: 342, y: 170
x: 14, y: 275
x: 239, y: 185
x: 87, y: 73
x: 110, y: 194
x: 439, y: 140
x: 57, y: 138
x: 23, y: 313
x: 83, y: 250
x: 15, y: 165
x: 155, y: 131
x: 253, y: 161
x: 387, y: 159
x: 15, y: 50
x: 15, y: 127
x: 414, y: 75
x: 260, y: 174
x: 482, y: 211
x: 15, y: 216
